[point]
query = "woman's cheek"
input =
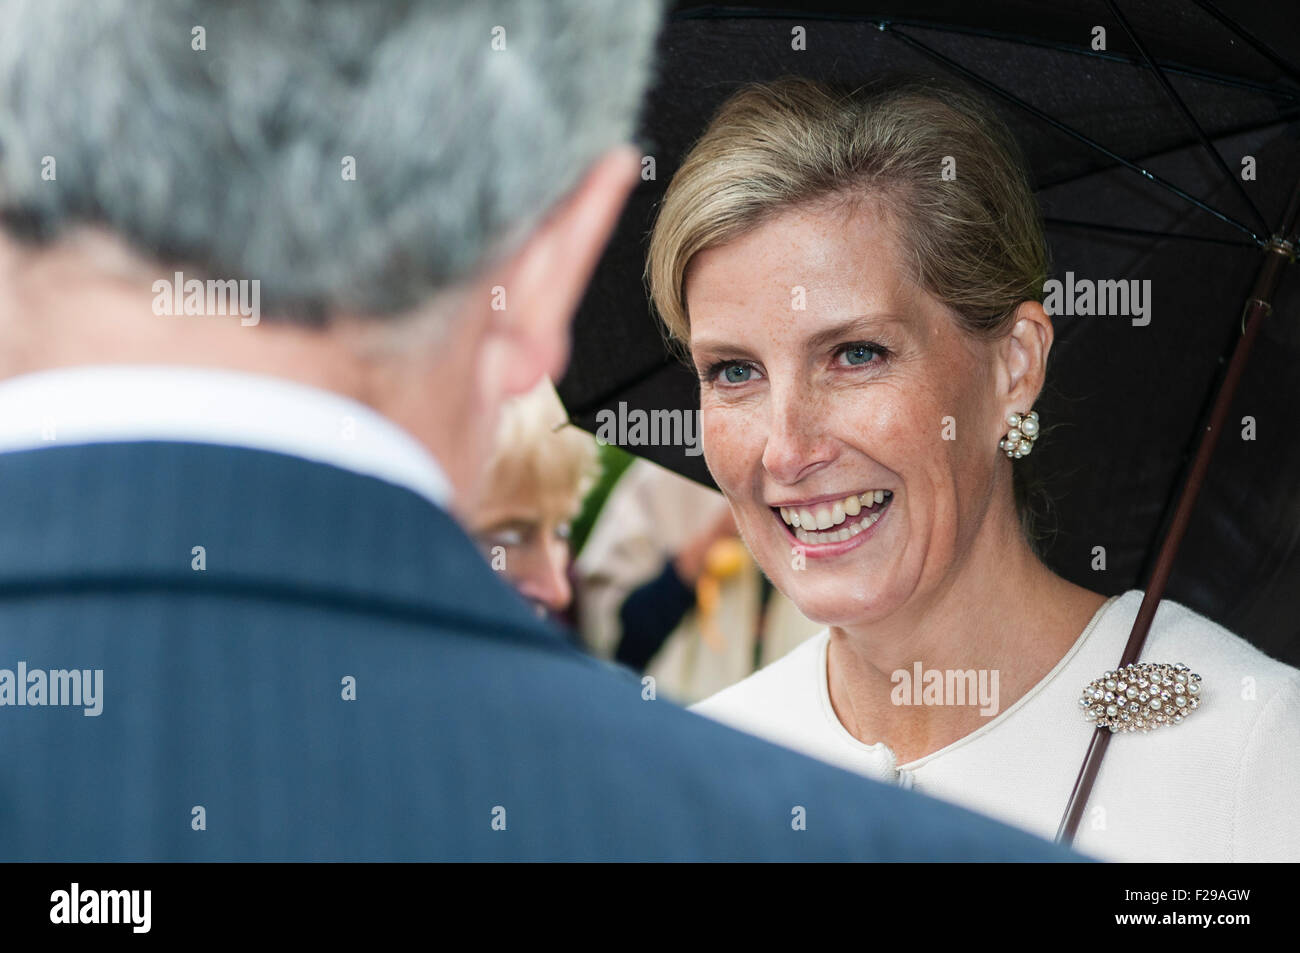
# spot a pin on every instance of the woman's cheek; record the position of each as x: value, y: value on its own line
x: 724, y: 449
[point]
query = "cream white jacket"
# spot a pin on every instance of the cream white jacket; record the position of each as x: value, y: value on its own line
x: 1222, y: 786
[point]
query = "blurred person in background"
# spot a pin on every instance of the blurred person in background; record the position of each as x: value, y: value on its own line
x: 530, y: 494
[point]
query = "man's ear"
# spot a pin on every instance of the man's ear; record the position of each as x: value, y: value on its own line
x: 537, y: 289
x: 1024, y: 355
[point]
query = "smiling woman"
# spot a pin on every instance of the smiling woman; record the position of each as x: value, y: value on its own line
x: 858, y: 278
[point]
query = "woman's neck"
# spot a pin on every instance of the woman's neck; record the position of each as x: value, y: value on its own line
x: 1004, y: 622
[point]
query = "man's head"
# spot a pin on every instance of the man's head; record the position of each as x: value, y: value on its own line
x: 419, y: 190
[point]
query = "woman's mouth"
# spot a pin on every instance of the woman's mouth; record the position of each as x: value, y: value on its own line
x: 834, y: 521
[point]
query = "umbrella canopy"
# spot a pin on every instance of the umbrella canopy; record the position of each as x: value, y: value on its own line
x: 1136, y: 152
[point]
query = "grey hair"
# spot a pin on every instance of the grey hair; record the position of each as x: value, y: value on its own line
x: 230, y: 160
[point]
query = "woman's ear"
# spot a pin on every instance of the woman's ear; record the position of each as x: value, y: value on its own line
x: 1023, y: 355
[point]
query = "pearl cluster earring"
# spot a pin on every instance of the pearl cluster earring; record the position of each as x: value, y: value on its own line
x: 1020, y: 438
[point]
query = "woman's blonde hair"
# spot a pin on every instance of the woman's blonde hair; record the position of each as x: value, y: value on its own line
x: 942, y: 165
x: 945, y: 167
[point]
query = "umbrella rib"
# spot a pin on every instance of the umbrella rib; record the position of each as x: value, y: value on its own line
x: 1236, y: 131
x: 1070, y: 131
x: 1196, y: 72
x: 1107, y: 55
x: 1187, y: 114
x: 1144, y: 232
x: 1260, y: 46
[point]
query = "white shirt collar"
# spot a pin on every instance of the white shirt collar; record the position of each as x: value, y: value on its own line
x: 121, y: 403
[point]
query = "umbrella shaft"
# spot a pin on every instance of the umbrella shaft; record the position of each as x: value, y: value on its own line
x: 1278, y: 253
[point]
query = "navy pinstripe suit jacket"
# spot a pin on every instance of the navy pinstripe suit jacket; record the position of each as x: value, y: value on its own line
x: 476, y: 732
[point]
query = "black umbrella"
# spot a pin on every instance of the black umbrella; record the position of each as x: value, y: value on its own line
x: 1170, y: 154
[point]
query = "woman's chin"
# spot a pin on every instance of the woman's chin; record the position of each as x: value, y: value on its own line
x: 832, y: 601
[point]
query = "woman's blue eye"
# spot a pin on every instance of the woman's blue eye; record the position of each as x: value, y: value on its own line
x: 736, y: 373
x: 859, y: 353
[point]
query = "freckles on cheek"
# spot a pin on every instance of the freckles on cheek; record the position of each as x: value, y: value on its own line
x: 715, y: 437
x: 723, y: 436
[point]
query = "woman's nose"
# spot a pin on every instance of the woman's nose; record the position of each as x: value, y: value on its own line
x: 798, y: 441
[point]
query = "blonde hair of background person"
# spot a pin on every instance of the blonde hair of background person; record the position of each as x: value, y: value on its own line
x: 923, y: 307
x: 532, y: 488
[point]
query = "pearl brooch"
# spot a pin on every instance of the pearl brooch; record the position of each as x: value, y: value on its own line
x: 1141, y: 710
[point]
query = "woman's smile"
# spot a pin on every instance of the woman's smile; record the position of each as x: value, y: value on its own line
x: 823, y: 526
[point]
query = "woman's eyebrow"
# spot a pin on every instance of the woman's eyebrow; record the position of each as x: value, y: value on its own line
x: 856, y: 327
x: 710, y: 348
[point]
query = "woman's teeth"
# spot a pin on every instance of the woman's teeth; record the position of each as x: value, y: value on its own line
x: 810, y: 523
